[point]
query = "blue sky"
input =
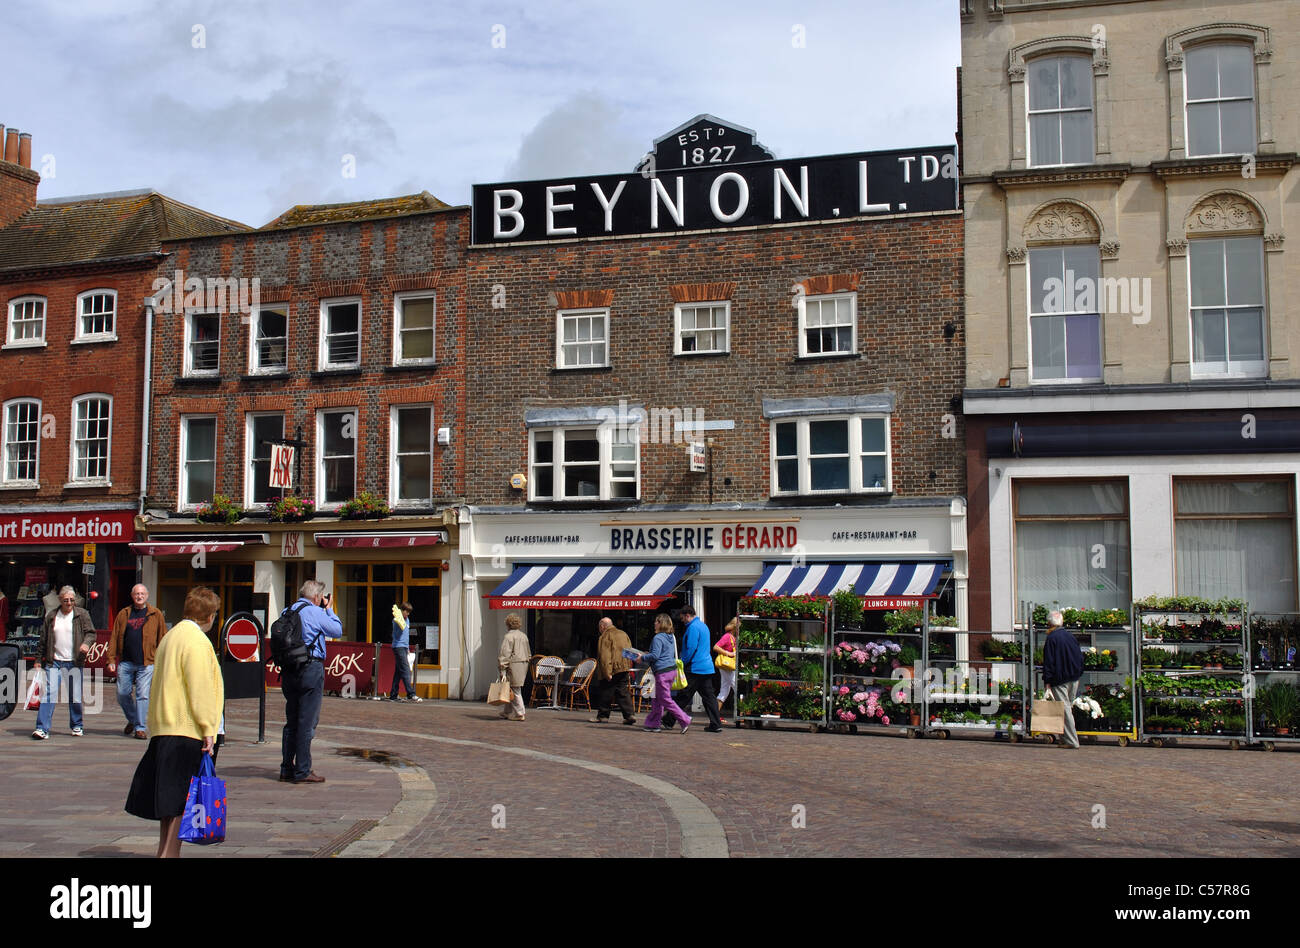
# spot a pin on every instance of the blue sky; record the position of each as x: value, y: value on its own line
x: 247, y: 107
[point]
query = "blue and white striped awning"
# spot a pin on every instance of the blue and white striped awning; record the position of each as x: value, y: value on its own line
x: 578, y: 586
x: 873, y: 581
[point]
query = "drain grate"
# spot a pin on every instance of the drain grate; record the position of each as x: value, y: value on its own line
x: 339, y: 843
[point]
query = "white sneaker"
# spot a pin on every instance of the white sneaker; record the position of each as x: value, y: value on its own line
x: 76, y: 732
x: 39, y: 735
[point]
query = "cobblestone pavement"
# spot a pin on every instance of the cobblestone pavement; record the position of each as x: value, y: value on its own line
x: 450, y: 779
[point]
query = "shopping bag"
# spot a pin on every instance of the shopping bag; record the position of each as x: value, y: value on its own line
x: 499, y: 692
x: 680, y: 681
x: 34, y: 691
x: 204, y: 819
x: 1048, y: 716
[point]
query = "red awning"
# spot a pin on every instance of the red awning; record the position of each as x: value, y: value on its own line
x: 379, y: 541
x: 184, y: 549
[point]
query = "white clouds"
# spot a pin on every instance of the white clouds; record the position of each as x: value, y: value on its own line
x: 583, y: 135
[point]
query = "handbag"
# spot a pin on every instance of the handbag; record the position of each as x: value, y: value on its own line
x: 1047, y: 716
x: 499, y: 691
x: 679, y: 682
x: 204, y: 820
x: 725, y: 662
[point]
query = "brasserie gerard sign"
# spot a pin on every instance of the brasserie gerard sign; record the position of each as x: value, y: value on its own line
x: 710, y: 196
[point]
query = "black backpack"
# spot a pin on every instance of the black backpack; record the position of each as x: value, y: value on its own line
x: 288, y: 649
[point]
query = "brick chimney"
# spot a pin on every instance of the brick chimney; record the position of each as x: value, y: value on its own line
x: 18, y: 181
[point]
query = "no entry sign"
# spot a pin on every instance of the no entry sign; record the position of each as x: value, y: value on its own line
x: 242, y: 640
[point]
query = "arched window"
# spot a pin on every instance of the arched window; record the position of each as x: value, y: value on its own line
x: 1064, y: 273
x: 92, y: 423
x: 1225, y: 274
x: 22, y: 442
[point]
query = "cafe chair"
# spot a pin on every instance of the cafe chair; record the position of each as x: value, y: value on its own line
x: 546, y: 674
x: 579, y: 684
x: 644, y: 693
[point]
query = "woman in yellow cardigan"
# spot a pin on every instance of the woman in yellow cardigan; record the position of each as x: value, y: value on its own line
x: 185, y: 704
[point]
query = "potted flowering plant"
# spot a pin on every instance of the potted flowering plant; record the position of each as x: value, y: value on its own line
x: 289, y: 509
x: 221, y: 509
x: 863, y: 705
x: 365, y: 506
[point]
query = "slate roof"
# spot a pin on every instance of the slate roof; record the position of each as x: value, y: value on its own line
x: 102, y: 227
x: 306, y: 215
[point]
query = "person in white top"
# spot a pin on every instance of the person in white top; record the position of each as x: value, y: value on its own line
x: 66, y: 639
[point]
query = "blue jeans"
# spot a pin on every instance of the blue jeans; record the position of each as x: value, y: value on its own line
x: 56, y: 673
x: 401, y: 672
x: 133, y: 677
x: 303, y: 691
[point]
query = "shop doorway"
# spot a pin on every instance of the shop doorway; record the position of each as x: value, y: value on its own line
x: 721, y: 604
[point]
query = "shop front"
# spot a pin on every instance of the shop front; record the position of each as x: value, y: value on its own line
x: 562, y: 571
x: 369, y: 566
x: 40, y: 552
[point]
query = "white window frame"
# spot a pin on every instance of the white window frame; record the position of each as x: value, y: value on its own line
x: 1031, y: 316
x: 250, y: 448
x: 255, y: 366
x: 606, y: 436
x: 7, y: 444
x: 398, y: 300
x: 855, y: 455
x: 725, y: 328
x: 852, y: 298
x: 581, y: 313
x: 105, y: 335
x: 1250, y: 370
x: 322, y: 356
x: 1253, y: 99
x: 32, y: 341
x: 394, y: 467
x: 321, y: 458
x: 189, y: 370
x: 1060, y: 110
x: 183, y: 500
x: 74, y: 455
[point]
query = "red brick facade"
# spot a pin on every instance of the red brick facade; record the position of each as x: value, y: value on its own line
x: 301, y: 266
x: 907, y: 275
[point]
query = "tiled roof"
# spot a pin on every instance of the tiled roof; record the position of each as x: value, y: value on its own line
x: 102, y: 227
x: 304, y: 215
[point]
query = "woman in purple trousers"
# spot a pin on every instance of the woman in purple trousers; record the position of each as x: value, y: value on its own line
x: 662, y: 658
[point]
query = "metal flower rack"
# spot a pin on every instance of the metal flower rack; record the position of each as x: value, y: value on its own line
x: 1272, y: 661
x: 781, y: 672
x: 1193, y: 676
x: 1109, y: 677
x: 960, y: 699
x: 867, y: 687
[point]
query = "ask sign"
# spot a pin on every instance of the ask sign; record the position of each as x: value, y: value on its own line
x: 281, y: 466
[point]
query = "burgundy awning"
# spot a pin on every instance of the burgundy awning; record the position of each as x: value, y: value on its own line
x: 184, y: 549
x: 379, y: 541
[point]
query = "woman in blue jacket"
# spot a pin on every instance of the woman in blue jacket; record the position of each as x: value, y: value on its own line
x: 662, y: 659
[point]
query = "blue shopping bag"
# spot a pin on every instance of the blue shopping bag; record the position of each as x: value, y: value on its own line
x: 204, y: 819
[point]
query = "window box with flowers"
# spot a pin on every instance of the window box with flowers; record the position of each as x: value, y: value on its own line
x: 290, y: 509
x: 365, y: 506
x: 221, y: 509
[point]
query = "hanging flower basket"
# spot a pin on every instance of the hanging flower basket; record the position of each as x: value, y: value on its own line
x: 365, y: 506
x: 291, y: 509
x: 221, y: 509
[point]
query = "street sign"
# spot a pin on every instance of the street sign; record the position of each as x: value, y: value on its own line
x: 242, y: 640
x: 87, y: 552
x: 281, y: 466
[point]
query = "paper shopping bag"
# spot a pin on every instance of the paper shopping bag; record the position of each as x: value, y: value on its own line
x: 204, y: 819
x: 499, y: 692
x: 1048, y: 716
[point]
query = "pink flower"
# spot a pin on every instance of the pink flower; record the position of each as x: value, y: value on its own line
x: 844, y: 689
x: 861, y: 710
x: 884, y: 720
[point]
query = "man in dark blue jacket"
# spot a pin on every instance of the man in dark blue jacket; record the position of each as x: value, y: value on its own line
x: 1062, y: 668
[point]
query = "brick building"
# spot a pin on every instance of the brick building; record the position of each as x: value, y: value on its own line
x: 74, y: 274
x: 1132, y: 399
x: 343, y: 327
x: 812, y: 338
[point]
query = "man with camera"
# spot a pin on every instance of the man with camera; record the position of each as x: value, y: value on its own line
x: 304, y: 687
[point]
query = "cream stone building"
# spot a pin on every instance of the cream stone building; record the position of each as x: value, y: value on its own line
x: 1128, y: 171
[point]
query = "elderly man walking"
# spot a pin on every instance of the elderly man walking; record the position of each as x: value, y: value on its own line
x: 66, y: 639
x: 612, y: 670
x: 1062, y: 668
x: 137, y: 630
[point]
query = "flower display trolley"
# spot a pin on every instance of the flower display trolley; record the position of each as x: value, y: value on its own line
x: 781, y: 666
x: 961, y: 699
x: 1106, y: 704
x: 1274, y: 702
x: 1193, y: 670
x: 871, y: 675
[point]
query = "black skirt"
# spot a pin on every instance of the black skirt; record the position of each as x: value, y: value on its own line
x: 162, y: 779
